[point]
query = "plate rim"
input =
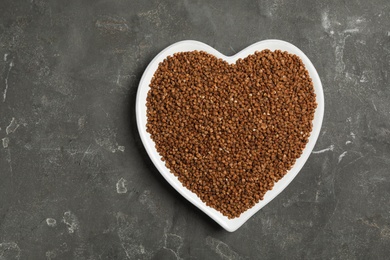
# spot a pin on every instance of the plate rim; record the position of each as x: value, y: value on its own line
x: 228, y: 224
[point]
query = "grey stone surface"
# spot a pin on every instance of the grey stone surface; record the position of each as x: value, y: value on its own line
x: 76, y: 182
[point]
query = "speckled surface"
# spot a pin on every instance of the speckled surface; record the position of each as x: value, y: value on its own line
x: 76, y: 183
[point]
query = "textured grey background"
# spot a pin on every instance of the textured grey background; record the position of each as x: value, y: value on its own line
x: 69, y: 72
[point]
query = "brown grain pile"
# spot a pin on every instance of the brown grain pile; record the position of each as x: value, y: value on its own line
x: 230, y: 131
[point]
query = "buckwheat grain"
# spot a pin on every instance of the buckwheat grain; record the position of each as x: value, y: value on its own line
x: 230, y: 131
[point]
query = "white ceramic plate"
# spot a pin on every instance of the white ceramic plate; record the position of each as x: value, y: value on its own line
x: 228, y: 224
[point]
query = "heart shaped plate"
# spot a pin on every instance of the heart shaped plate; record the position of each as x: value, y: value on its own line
x: 183, y: 46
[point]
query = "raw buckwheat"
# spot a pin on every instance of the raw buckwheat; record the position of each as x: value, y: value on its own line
x: 230, y: 131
